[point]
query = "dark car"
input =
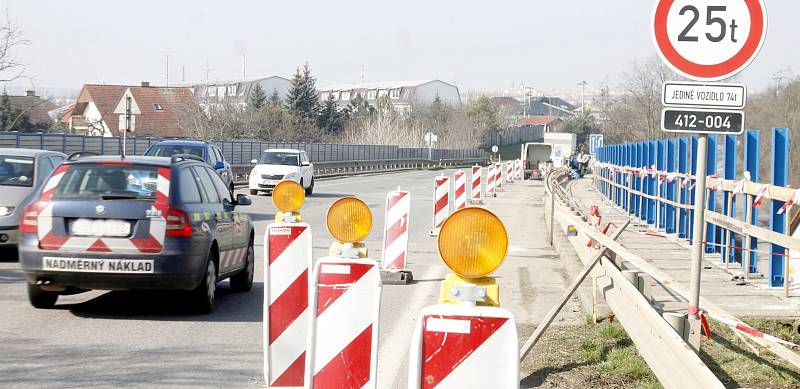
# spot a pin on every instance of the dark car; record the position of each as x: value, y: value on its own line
x: 211, y: 154
x: 116, y: 223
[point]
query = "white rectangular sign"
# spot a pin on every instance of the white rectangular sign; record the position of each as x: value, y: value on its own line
x: 704, y: 95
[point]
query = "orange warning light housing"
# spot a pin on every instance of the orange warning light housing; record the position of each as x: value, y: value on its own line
x: 473, y: 242
x: 349, y: 220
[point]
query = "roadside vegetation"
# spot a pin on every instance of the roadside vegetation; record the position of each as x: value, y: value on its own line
x: 603, y: 356
x: 303, y: 117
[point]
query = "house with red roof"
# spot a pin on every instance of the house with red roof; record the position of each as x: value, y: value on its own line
x: 162, y: 109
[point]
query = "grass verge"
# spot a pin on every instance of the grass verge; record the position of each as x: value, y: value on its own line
x: 603, y: 355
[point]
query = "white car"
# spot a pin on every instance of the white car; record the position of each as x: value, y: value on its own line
x: 275, y: 165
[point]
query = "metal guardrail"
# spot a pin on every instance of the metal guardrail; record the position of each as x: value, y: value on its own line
x: 340, y: 168
x: 668, y: 355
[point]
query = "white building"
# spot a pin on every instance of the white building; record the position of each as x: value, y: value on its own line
x: 402, y: 94
x: 236, y: 90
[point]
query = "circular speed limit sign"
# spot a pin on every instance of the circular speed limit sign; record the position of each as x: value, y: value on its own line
x: 709, y: 40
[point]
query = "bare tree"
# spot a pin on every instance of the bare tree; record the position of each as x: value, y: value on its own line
x: 11, y: 38
x: 636, y: 114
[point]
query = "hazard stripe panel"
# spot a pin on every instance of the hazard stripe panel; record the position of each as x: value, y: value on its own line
x: 459, y: 346
x: 467, y: 334
x: 343, y: 351
x: 287, y: 267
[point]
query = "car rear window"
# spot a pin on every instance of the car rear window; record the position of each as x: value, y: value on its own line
x: 108, y: 182
x: 170, y: 150
x: 279, y: 158
x: 16, y: 171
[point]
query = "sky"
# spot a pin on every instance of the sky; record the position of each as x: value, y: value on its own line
x: 477, y: 45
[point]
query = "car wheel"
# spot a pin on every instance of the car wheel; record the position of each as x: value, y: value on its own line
x: 243, y: 281
x: 310, y: 189
x: 253, y: 192
x: 41, y: 299
x: 203, y: 295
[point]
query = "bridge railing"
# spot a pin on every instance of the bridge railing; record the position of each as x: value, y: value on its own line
x: 654, y: 181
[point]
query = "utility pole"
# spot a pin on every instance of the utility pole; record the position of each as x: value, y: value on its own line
x: 167, y: 79
x: 583, y: 94
x: 244, y: 67
x: 207, y: 70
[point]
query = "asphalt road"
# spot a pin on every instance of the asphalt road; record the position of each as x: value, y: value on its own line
x: 145, y: 339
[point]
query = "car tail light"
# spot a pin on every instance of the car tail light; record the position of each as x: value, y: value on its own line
x: 29, y: 221
x: 178, y: 224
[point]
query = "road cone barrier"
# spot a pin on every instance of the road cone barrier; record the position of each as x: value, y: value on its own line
x: 345, y: 298
x: 498, y: 177
x: 395, y: 238
x: 287, y: 247
x: 476, y: 194
x: 491, y: 177
x: 467, y: 340
x: 510, y: 171
x: 441, y: 203
x: 460, y: 191
x: 520, y: 172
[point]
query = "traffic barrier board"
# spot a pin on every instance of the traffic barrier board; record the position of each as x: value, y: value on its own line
x: 460, y: 192
x: 343, y: 340
x: 286, y: 270
x: 458, y: 346
x: 491, y: 177
x: 476, y: 193
x: 395, y: 235
x: 498, y: 177
x: 509, y: 171
x: 441, y: 201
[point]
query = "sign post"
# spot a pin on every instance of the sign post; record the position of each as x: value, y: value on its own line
x: 127, y: 109
x: 705, y: 41
x: 430, y: 138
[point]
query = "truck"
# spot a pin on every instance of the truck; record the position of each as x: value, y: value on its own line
x: 556, y: 148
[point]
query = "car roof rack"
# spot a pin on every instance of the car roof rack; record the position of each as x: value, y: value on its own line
x: 185, y: 157
x: 80, y: 154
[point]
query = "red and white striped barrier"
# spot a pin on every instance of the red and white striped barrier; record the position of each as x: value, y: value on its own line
x: 460, y: 191
x: 343, y: 338
x: 520, y: 172
x: 745, y: 328
x: 457, y: 346
x: 510, y: 171
x: 498, y: 177
x: 491, y: 178
x: 395, y: 235
x: 476, y: 194
x: 441, y: 202
x: 286, y: 271
x: 52, y: 239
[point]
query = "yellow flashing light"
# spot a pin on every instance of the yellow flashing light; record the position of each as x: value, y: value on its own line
x: 349, y: 220
x: 473, y: 242
x: 288, y: 196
